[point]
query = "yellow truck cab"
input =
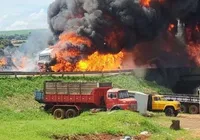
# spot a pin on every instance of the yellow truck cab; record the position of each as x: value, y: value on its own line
x: 155, y: 102
x: 158, y: 103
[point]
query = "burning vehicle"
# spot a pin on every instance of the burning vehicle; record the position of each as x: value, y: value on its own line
x: 45, y: 60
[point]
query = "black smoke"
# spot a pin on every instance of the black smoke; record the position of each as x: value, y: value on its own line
x: 96, y: 18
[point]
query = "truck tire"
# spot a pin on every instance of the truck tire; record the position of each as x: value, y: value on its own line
x: 193, y: 109
x: 175, y: 113
x: 184, y: 109
x: 59, y: 113
x: 169, y: 111
x: 116, y: 108
x: 70, y: 113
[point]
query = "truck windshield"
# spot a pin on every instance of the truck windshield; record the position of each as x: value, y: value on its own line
x: 44, y: 57
x: 123, y: 94
x: 159, y: 99
x: 163, y: 99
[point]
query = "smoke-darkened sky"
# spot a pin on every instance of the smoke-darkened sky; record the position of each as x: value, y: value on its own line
x: 23, y: 14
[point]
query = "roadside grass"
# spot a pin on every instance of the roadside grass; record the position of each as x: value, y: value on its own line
x: 115, y: 123
x: 26, y: 86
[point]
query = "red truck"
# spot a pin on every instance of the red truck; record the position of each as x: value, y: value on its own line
x: 69, y: 99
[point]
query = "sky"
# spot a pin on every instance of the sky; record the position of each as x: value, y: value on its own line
x: 23, y: 14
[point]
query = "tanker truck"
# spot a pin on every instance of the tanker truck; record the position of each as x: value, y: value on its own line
x: 69, y: 99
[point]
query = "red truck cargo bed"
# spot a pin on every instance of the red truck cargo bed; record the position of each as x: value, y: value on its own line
x: 73, y: 93
x: 61, y: 98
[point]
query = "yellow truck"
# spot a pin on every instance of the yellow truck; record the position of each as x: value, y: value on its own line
x: 156, y: 103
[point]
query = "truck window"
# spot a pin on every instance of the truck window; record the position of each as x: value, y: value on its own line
x: 112, y: 95
x: 163, y: 99
x: 157, y: 99
x: 123, y: 94
x: 44, y: 57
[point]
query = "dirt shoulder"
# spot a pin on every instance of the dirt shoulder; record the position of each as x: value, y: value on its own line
x: 192, y: 123
x: 188, y: 121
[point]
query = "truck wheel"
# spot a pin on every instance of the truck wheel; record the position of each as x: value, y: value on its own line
x: 175, y: 113
x: 169, y: 111
x: 70, y: 113
x: 193, y: 109
x: 59, y: 113
x: 184, y: 109
x: 116, y: 108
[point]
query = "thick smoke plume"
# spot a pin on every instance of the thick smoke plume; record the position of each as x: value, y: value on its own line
x: 97, y: 19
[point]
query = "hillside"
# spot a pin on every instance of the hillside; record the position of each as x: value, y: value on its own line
x: 21, y: 118
x: 19, y: 32
x: 26, y: 86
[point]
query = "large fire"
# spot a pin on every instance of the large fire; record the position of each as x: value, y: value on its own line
x: 71, y: 57
x: 101, y: 62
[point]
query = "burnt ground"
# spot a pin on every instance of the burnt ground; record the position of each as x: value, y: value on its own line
x: 189, y: 121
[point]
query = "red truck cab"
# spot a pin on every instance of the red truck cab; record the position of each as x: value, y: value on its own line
x: 119, y: 99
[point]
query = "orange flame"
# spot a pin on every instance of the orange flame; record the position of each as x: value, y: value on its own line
x: 23, y: 62
x: 74, y: 39
x: 62, y: 64
x: 194, y: 52
x: 3, y: 61
x: 193, y: 47
x: 62, y: 52
x: 100, y: 62
x: 145, y: 2
x: 93, y: 62
x: 171, y: 26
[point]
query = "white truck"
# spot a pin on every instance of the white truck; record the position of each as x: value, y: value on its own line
x: 46, y: 60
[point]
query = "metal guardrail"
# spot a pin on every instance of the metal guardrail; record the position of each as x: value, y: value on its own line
x: 20, y: 73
